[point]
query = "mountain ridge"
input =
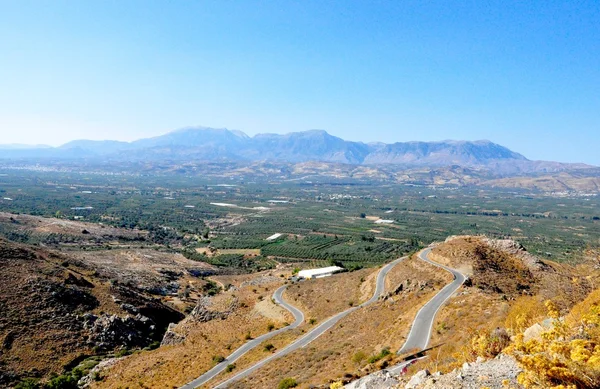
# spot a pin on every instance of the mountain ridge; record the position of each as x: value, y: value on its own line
x: 221, y: 144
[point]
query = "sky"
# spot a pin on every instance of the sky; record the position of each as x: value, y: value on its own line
x: 525, y: 74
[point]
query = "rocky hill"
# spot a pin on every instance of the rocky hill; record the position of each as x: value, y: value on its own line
x: 61, y: 308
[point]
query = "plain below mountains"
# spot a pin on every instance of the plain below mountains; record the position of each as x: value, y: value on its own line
x: 222, y: 145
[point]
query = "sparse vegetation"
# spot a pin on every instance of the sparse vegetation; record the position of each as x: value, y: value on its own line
x: 230, y: 368
x: 359, y: 357
x: 568, y: 354
x: 269, y: 347
x: 287, y: 383
x: 382, y: 354
x: 218, y: 359
x: 323, y: 229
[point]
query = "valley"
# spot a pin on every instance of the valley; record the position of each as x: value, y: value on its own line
x: 198, y: 273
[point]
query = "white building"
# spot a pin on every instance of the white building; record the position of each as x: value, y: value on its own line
x: 319, y: 273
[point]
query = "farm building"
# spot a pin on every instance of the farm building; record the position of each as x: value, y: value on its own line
x: 319, y: 273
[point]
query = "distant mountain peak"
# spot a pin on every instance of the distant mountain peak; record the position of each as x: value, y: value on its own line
x: 222, y: 144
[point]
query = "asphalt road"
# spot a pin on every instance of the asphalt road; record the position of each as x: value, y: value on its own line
x: 420, y: 331
x: 315, y: 332
x: 298, y: 319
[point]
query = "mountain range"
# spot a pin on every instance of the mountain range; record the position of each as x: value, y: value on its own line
x: 215, y: 145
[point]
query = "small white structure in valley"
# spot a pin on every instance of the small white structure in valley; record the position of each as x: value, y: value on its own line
x: 274, y: 236
x: 383, y: 221
x: 319, y: 273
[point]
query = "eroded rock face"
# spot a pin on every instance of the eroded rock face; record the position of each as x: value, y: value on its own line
x: 407, y: 286
x: 110, y: 331
x: 203, y: 313
x: 171, y: 337
x: 513, y: 248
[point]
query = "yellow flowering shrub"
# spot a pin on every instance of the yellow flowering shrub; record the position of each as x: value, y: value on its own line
x: 524, y: 312
x: 567, y: 356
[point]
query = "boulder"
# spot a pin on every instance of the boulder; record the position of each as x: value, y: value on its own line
x: 417, y: 379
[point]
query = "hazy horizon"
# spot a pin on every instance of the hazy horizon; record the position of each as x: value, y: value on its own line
x: 523, y: 75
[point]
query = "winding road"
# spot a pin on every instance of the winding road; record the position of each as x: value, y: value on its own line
x: 299, y: 343
x: 418, y: 337
x: 298, y: 319
x: 420, y: 331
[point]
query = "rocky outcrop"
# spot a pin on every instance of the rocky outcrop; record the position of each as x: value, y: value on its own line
x: 381, y: 379
x: 497, y: 373
x: 407, y: 286
x: 110, y: 331
x: 262, y: 280
x: 87, y: 380
x: 511, y: 247
x: 203, y: 313
x: 171, y: 337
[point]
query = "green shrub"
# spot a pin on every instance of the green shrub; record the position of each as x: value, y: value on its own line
x: 122, y: 353
x: 28, y: 383
x: 218, y: 358
x: 382, y: 354
x: 269, y: 347
x: 65, y: 381
x: 230, y: 368
x: 287, y: 383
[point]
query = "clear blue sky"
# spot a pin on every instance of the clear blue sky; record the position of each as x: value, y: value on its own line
x: 525, y: 74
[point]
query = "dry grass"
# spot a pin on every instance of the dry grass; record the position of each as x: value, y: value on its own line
x: 324, y: 297
x: 481, y: 310
x: 172, y: 366
x: 332, y: 355
x: 42, y: 225
x: 42, y: 331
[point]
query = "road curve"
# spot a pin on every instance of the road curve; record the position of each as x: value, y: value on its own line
x: 318, y: 330
x: 298, y: 319
x: 420, y: 331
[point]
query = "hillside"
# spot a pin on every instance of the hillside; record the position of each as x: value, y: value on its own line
x: 58, y: 311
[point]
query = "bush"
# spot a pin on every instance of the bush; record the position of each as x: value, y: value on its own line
x: 270, y: 327
x: 211, y: 288
x: 269, y: 347
x: 337, y: 385
x: 287, y: 383
x: 218, y: 358
x: 312, y: 321
x: 28, y: 383
x: 568, y: 354
x: 65, y: 381
x: 525, y: 312
x: 122, y: 353
x: 488, y: 344
x: 382, y: 354
x: 230, y: 368
x: 359, y: 357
